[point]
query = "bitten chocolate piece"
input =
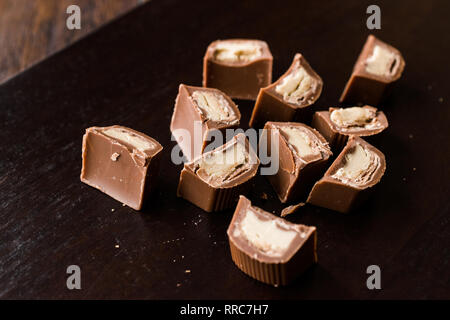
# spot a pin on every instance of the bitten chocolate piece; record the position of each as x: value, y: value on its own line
x: 337, y: 124
x: 288, y: 98
x: 268, y: 248
x: 350, y: 178
x: 238, y: 67
x: 121, y: 162
x: 303, y: 155
x: 198, y: 111
x: 214, y: 181
x: 378, y: 66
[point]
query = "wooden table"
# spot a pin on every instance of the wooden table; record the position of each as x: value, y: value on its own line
x: 128, y: 73
x: 33, y: 30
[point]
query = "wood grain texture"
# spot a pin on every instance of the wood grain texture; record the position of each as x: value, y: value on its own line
x: 128, y: 73
x: 33, y: 30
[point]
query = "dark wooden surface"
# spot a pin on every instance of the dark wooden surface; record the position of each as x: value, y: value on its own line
x: 128, y: 73
x: 33, y: 30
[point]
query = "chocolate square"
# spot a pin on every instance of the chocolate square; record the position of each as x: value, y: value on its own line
x: 238, y: 67
x: 303, y: 155
x: 288, y: 98
x: 378, y: 66
x: 268, y: 248
x: 208, y: 109
x: 121, y: 162
x: 214, y: 180
x: 351, y: 177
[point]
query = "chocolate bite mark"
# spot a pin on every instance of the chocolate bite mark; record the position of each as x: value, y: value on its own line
x: 287, y: 98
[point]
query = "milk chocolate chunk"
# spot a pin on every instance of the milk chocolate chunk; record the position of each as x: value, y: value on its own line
x: 238, y: 67
x: 268, y: 248
x: 289, y: 97
x: 214, y: 180
x: 378, y: 66
x: 351, y: 177
x: 121, y: 162
x: 303, y: 156
x: 198, y: 111
x: 337, y: 124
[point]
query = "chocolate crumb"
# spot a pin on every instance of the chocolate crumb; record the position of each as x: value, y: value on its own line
x: 291, y: 209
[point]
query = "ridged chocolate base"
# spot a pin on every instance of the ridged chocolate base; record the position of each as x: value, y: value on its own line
x: 276, y: 273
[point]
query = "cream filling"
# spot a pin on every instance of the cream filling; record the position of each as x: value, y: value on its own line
x: 267, y: 235
x: 294, y: 86
x: 237, y: 51
x: 382, y: 61
x: 223, y: 163
x: 359, y: 167
x: 300, y: 141
x: 130, y: 138
x: 214, y: 106
x: 358, y: 117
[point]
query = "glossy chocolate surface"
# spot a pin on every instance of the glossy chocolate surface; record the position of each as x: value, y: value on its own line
x: 216, y: 186
x: 273, y: 105
x: 297, y: 172
x: 292, y: 256
x: 337, y: 135
x: 191, y: 125
x: 240, y: 78
x: 367, y: 87
x: 345, y: 195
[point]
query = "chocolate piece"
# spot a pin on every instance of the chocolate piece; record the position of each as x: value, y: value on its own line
x: 288, y: 98
x: 291, y: 209
x: 121, y: 162
x: 214, y: 181
x: 337, y: 124
x: 303, y: 156
x: 238, y: 67
x: 378, y: 66
x: 350, y: 178
x: 268, y: 248
x: 198, y: 111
